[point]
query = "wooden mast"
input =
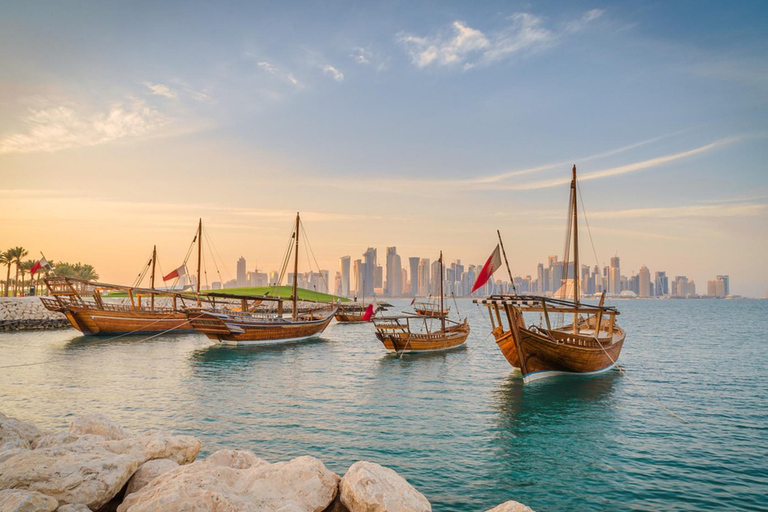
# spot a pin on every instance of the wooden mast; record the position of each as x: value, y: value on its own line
x: 506, y: 261
x: 442, y: 311
x: 152, y: 279
x: 199, y: 252
x: 294, y: 297
x: 576, y: 269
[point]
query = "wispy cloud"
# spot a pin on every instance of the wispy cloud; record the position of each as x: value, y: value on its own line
x: 281, y: 73
x: 67, y: 126
x: 466, y: 47
x: 707, y: 211
x: 366, y: 57
x: 333, y: 72
x: 624, y: 169
x: 161, y: 90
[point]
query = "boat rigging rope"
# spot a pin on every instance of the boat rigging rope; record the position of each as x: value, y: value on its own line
x: 586, y: 221
x: 286, y: 257
x: 211, y: 249
x: 309, y: 246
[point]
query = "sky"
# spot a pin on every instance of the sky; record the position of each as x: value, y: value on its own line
x: 421, y: 125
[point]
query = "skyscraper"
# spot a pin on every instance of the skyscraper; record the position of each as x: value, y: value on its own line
x: 645, y: 282
x: 723, y: 285
x: 369, y: 257
x: 614, y: 277
x: 394, y: 286
x: 344, y: 271
x: 241, y: 277
x: 661, y: 283
x: 424, y: 276
x: 413, y: 265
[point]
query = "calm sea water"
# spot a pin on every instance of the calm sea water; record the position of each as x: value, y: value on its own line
x: 457, y: 425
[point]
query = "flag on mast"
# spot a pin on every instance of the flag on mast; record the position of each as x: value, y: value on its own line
x: 492, y: 265
x: 181, y: 271
x: 368, y: 313
x: 37, y: 266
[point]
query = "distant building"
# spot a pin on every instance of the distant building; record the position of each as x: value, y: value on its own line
x: 723, y: 285
x: 661, y: 284
x: 614, y: 277
x: 644, y: 277
x: 369, y: 258
x: 344, y: 275
x: 413, y: 265
x: 424, y: 287
x: 394, y: 284
x: 241, y: 274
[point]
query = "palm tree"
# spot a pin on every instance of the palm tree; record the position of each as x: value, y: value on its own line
x: 5, y: 259
x: 16, y: 253
x: 86, y: 272
x: 26, y: 266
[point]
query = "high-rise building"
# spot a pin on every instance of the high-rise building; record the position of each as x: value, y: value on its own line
x: 645, y: 282
x: 241, y: 277
x: 712, y: 288
x: 394, y: 286
x: 435, y: 278
x: 540, y: 279
x: 413, y: 266
x: 614, y: 276
x: 337, y: 284
x: 344, y: 262
x: 424, y: 288
x: 369, y: 257
x: 723, y: 285
x: 358, y: 271
x: 661, y: 284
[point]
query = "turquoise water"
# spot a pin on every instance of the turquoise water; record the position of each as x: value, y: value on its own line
x: 456, y: 425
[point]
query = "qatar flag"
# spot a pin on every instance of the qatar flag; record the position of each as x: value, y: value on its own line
x: 492, y: 265
x: 368, y: 313
x: 181, y: 271
x: 37, y: 266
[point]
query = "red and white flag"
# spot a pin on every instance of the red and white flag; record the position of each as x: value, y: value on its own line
x: 492, y: 265
x: 37, y: 266
x: 181, y: 271
x: 368, y: 313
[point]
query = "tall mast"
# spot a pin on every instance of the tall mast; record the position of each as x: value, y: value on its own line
x: 442, y: 316
x: 294, y: 297
x: 576, y: 269
x: 152, y: 280
x: 199, y: 251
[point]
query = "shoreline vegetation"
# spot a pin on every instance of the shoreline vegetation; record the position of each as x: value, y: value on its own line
x: 98, y: 465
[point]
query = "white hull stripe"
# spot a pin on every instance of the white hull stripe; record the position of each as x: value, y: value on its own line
x: 543, y: 374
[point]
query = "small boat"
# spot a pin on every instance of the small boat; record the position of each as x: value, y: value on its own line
x: 354, y: 312
x: 590, y: 343
x: 431, y: 308
x: 89, y: 308
x: 421, y: 333
x: 263, y: 326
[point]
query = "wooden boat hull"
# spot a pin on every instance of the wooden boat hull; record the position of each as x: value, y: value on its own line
x: 229, y: 330
x: 100, y: 322
x: 349, y: 318
x: 453, y: 337
x: 431, y: 314
x: 544, y: 357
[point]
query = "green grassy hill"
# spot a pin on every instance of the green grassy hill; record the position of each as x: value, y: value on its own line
x: 281, y: 291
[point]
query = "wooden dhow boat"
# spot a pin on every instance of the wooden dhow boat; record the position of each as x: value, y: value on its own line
x: 354, y: 312
x: 589, y: 344
x: 421, y: 333
x: 250, y: 326
x: 431, y: 308
x: 90, y: 310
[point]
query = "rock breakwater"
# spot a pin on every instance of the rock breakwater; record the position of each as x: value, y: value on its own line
x: 99, y: 465
x: 27, y: 313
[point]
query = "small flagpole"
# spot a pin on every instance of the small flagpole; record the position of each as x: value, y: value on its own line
x: 509, y: 271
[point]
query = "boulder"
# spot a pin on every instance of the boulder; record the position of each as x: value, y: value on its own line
x: 148, y: 472
x: 89, y: 470
x: 369, y: 487
x: 73, y: 508
x: 19, y: 500
x: 511, y: 506
x: 303, y: 484
x: 100, y: 425
x: 17, y: 434
x: 235, y: 459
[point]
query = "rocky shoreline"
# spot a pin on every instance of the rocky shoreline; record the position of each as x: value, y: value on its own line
x: 28, y: 313
x: 98, y: 465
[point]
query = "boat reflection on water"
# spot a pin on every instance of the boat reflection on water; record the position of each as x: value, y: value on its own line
x: 566, y: 425
x: 227, y: 359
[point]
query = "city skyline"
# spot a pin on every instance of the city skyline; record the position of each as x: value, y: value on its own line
x: 423, y: 127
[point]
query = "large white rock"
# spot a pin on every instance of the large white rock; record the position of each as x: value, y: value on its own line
x: 369, y: 487
x: 17, y: 434
x: 89, y: 470
x: 511, y: 506
x: 235, y: 459
x: 148, y: 472
x: 73, y: 508
x: 19, y: 500
x: 99, y: 425
x: 302, y: 485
